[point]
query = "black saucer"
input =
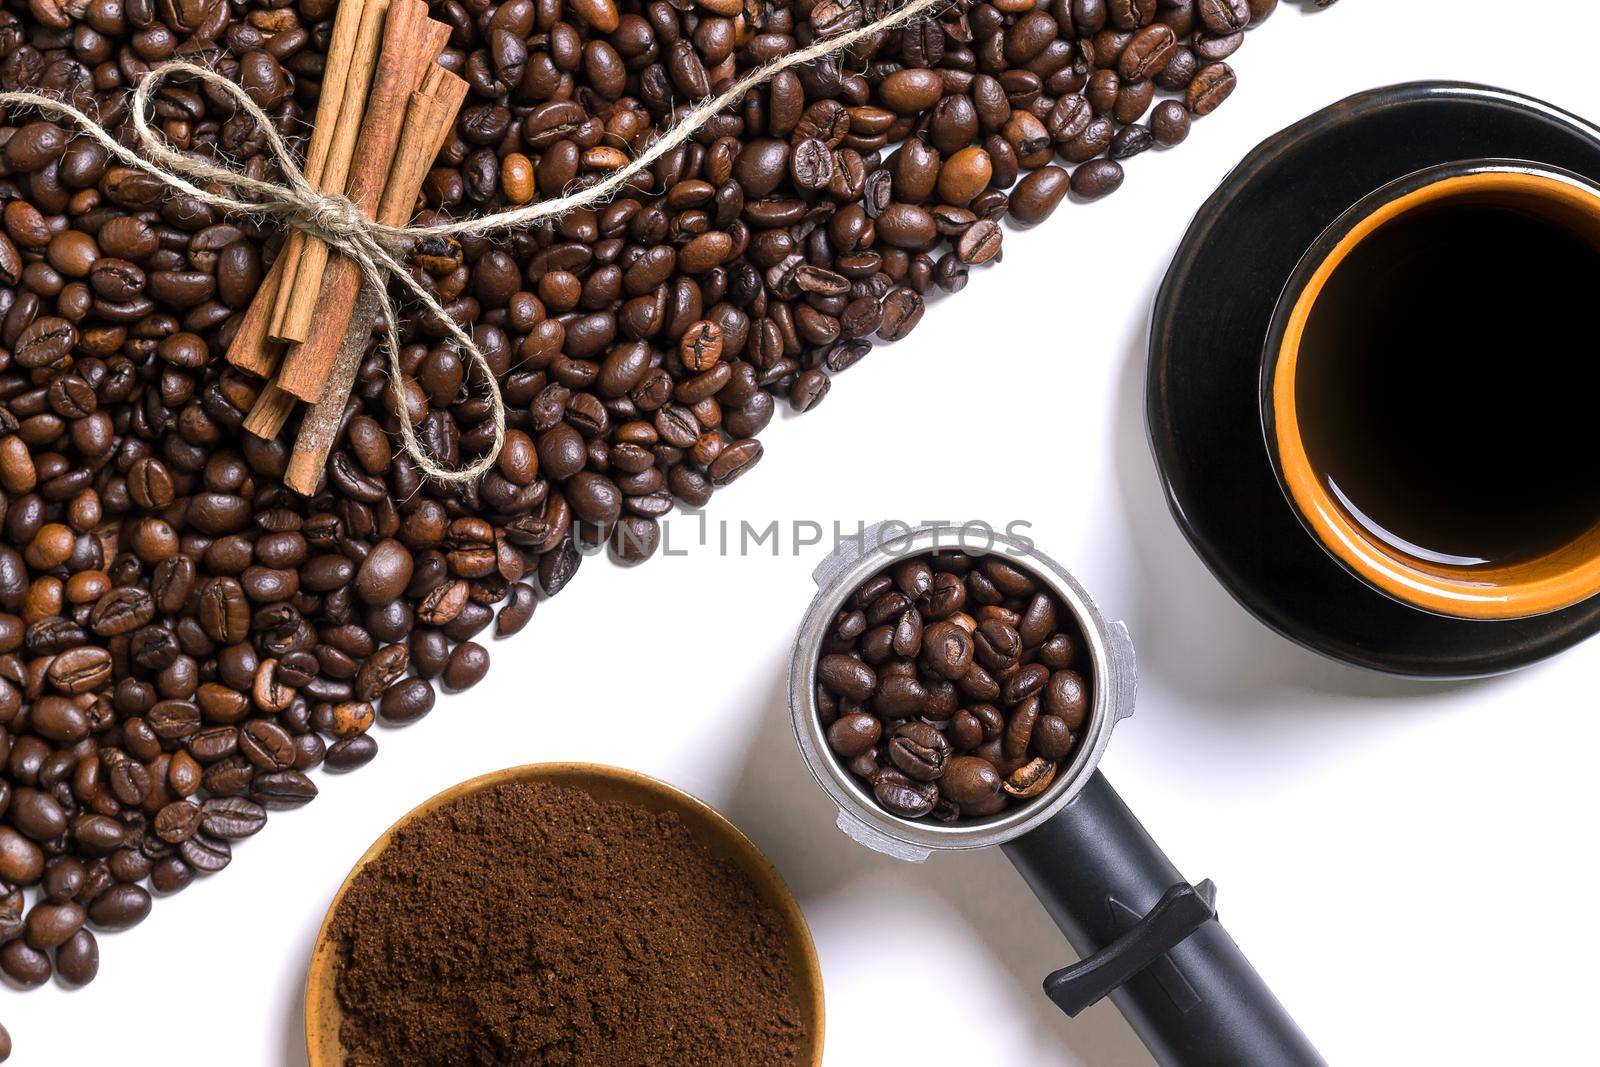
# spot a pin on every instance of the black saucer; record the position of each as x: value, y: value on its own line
x: 1206, y: 338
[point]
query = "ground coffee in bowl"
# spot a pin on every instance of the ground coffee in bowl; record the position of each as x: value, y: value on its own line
x: 534, y: 922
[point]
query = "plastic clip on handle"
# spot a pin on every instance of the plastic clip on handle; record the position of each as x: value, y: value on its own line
x: 1151, y: 942
x: 1179, y: 913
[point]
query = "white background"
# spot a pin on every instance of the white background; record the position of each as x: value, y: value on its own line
x: 1408, y: 865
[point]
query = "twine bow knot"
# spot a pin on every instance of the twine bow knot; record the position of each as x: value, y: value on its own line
x: 336, y: 216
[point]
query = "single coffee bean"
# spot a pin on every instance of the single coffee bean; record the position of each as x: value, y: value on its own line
x: 171, y: 875
x: 1223, y: 16
x: 1031, y: 779
x: 49, y: 925
x: 468, y: 663
x: 1179, y: 71
x: 1131, y: 141
x: 1097, y: 178
x: 920, y: 751
x: 1211, y: 86
x: 406, y: 701
x: 847, y: 676
x: 1052, y: 738
x: 177, y: 822
x: 25, y: 965
x: 948, y: 649
x: 384, y: 574
x: 1038, y: 195
x: 851, y: 735
x: 21, y: 861
x: 352, y: 752
x: 901, y: 796
x: 120, y: 907
x: 78, y: 959
x: 231, y: 818
x: 206, y: 854
x: 63, y: 879
x: 283, y: 789
x: 970, y: 781
x: 1169, y: 123
x: 1067, y: 697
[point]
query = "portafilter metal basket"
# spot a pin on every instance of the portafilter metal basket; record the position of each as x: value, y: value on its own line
x: 1145, y: 936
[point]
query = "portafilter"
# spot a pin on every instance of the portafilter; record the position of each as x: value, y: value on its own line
x: 1144, y: 936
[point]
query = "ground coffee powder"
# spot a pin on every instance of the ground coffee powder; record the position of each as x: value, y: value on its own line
x: 534, y: 924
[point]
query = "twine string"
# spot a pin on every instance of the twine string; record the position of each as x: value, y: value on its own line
x: 378, y: 249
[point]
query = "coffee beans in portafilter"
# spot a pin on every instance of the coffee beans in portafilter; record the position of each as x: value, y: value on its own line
x: 954, y: 686
x: 182, y: 639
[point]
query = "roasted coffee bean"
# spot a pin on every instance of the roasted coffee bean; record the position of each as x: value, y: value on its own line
x: 205, y: 854
x: 385, y: 573
x: 1036, y: 197
x: 1052, y: 738
x: 947, y: 648
x: 78, y: 959
x: 1031, y: 779
x: 63, y: 879
x: 283, y: 789
x: 1169, y: 123
x: 1097, y: 178
x: 900, y: 696
x: 26, y: 966
x: 919, y: 663
x: 267, y: 745
x: 920, y: 751
x: 901, y: 796
x: 231, y: 818
x: 851, y: 735
x: 406, y: 701
x: 177, y: 822
x: 170, y: 875
x: 1131, y: 141
x: 468, y: 663
x: 1223, y: 16
x: 351, y: 752
x: 120, y: 907
x: 50, y: 925
x: 1211, y: 86
x: 970, y: 782
x: 847, y: 676
x: 38, y: 815
x: 1066, y: 696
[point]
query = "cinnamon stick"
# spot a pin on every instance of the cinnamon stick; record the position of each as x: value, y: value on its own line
x: 429, y: 116
x: 270, y: 411
x: 339, y: 120
x: 420, y: 139
x: 250, y: 349
x: 428, y: 122
x: 411, y: 44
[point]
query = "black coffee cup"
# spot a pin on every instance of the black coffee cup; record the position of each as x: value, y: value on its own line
x: 1426, y: 393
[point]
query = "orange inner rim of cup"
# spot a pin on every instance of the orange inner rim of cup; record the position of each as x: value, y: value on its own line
x: 1551, y: 582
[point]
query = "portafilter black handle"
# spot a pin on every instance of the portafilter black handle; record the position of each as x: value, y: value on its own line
x: 1150, y: 941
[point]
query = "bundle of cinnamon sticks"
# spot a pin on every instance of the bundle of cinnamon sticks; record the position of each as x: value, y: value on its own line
x: 385, y: 110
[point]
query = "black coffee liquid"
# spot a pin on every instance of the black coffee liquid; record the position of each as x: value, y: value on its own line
x: 1449, y: 385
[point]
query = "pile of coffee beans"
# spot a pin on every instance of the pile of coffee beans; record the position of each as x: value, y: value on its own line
x: 954, y: 685
x: 182, y: 639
